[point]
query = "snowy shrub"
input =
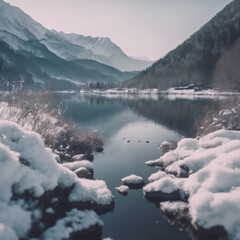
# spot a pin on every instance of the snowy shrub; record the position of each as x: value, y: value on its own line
x: 223, y: 115
x: 33, y: 112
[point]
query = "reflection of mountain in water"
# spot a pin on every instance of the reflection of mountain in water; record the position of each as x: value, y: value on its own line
x: 179, y: 115
x: 110, y: 114
x: 91, y: 113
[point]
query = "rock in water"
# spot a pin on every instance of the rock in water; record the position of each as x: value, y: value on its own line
x: 123, y: 189
x: 162, y: 190
x: 133, y: 181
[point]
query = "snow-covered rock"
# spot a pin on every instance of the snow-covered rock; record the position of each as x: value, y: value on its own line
x: 78, y: 164
x: 29, y: 172
x: 174, y: 206
x: 176, y: 212
x: 91, y: 191
x: 163, y: 189
x: 133, y: 181
x: 123, y: 189
x: 74, y: 223
x: 212, y: 184
x: 156, y: 176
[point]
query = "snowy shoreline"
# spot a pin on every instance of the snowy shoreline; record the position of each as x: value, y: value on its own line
x: 41, y: 198
x: 171, y: 91
x: 200, y: 181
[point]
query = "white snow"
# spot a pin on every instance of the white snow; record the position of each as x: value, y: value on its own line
x: 156, y: 176
x: 91, y: 190
x: 40, y: 173
x: 15, y: 217
x: 165, y: 185
x: 132, y: 179
x: 173, y: 206
x: 78, y: 164
x: 74, y: 221
x: 213, y: 184
x: 122, y: 189
x: 171, y: 94
x: 6, y: 233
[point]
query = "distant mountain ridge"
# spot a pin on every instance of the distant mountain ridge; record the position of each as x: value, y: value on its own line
x: 36, y: 55
x: 68, y: 46
x: 209, y: 58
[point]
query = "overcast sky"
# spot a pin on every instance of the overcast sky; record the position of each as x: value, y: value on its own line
x: 147, y: 28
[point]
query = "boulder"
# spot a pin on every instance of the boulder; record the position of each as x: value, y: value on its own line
x: 133, y: 181
x: 123, y: 189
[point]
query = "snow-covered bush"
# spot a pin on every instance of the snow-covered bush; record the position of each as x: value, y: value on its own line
x: 221, y: 115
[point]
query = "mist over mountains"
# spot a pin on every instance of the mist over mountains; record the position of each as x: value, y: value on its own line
x: 30, y: 54
x: 209, y: 58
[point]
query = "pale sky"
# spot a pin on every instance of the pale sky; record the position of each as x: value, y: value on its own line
x: 148, y: 28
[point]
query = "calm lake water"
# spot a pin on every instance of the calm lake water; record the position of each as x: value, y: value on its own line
x: 139, y: 120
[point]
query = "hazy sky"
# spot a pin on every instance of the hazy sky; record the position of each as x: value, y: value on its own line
x: 147, y: 28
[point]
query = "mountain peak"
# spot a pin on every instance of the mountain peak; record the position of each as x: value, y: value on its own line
x: 14, y: 22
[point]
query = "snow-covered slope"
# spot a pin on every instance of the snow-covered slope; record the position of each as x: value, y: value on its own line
x: 67, y: 46
x: 14, y: 20
x: 43, y: 58
x: 74, y: 46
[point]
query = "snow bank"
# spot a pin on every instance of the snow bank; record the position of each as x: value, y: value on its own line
x: 27, y: 171
x: 212, y: 184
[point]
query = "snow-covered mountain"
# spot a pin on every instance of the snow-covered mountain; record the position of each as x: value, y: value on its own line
x: 15, y: 23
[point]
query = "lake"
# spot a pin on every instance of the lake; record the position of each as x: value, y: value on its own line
x: 132, y: 128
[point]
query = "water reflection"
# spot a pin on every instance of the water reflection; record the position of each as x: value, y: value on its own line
x: 138, y: 120
x: 176, y: 114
